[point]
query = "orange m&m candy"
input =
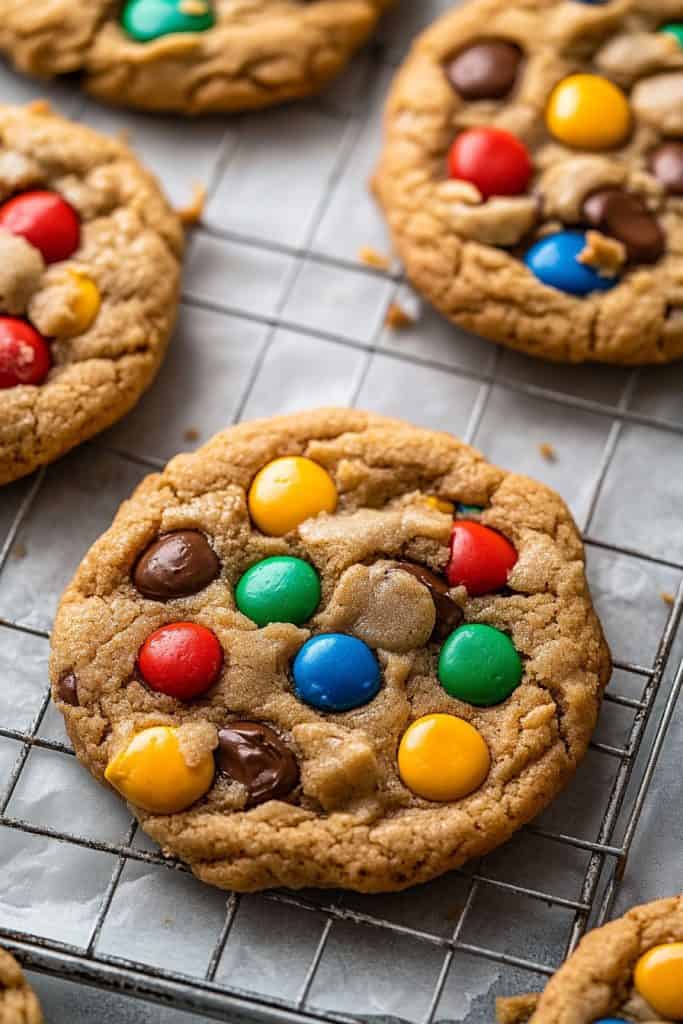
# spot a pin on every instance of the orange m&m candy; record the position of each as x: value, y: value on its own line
x: 659, y: 979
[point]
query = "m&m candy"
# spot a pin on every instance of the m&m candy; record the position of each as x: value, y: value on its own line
x: 659, y: 979
x: 279, y: 589
x: 176, y: 565
x: 146, y: 20
x: 675, y: 29
x: 85, y: 304
x: 288, y: 491
x: 252, y: 754
x: 335, y: 672
x: 479, y: 664
x: 24, y: 355
x: 481, y: 558
x: 486, y: 70
x: 626, y: 217
x: 464, y: 511
x: 182, y: 660
x: 588, y: 112
x: 555, y: 262
x: 443, y: 758
x: 152, y: 772
x: 492, y: 159
x: 45, y: 220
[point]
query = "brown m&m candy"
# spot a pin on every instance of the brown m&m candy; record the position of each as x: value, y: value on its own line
x: 176, y: 565
x: 625, y: 217
x: 666, y: 163
x: 253, y: 754
x: 448, y: 614
x: 67, y: 689
x: 485, y: 70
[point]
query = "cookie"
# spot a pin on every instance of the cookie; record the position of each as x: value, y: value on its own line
x: 303, y: 664
x: 18, y: 1003
x: 532, y: 175
x: 629, y: 970
x: 190, y: 56
x: 90, y: 256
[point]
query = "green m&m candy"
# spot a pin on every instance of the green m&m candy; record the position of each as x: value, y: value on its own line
x: 675, y: 29
x: 479, y: 664
x: 146, y: 20
x: 279, y: 589
x: 465, y: 511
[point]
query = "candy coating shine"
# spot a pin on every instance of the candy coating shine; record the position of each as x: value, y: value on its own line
x: 288, y: 491
x: 443, y: 758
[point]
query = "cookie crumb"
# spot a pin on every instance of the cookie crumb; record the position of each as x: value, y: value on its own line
x: 20, y: 551
x: 605, y: 255
x: 192, y: 212
x: 191, y: 434
x: 40, y: 106
x: 371, y: 258
x: 547, y: 451
x: 667, y: 597
x: 397, y: 318
x: 516, y: 1009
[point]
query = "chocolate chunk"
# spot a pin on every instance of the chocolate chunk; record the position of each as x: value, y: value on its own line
x: 67, y: 689
x: 176, y: 565
x: 251, y: 753
x: 626, y: 218
x: 449, y: 615
x: 485, y: 71
x: 666, y: 163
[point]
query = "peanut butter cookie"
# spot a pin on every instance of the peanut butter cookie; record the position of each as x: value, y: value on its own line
x: 532, y: 175
x: 190, y: 56
x: 332, y: 649
x: 90, y: 257
x: 629, y: 970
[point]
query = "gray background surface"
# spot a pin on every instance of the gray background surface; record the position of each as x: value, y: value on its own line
x: 277, y: 315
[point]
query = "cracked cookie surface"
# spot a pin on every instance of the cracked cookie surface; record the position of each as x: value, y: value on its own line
x: 88, y: 284
x: 190, y: 56
x: 509, y: 132
x: 611, y: 975
x: 286, y: 731
x: 18, y: 1003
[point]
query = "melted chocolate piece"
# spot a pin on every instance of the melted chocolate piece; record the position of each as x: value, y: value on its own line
x: 176, y: 565
x: 625, y: 217
x: 67, y: 689
x: 666, y: 163
x: 485, y: 71
x: 251, y: 753
x: 449, y: 615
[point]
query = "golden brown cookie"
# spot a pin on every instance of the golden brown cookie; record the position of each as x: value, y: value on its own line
x: 190, y: 56
x: 332, y: 649
x: 18, y: 1004
x: 532, y: 175
x: 90, y: 255
x: 629, y: 970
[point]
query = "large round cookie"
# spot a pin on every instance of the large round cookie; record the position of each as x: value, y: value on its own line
x: 18, y: 1003
x: 629, y: 970
x: 301, y: 670
x: 90, y: 256
x: 532, y: 175
x: 190, y: 56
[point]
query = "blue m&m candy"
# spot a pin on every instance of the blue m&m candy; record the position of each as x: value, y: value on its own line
x: 611, y: 1020
x: 335, y: 672
x: 555, y: 261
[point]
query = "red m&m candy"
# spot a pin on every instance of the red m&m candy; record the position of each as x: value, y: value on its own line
x: 182, y: 660
x: 46, y: 221
x: 496, y: 161
x: 24, y: 355
x: 481, y: 558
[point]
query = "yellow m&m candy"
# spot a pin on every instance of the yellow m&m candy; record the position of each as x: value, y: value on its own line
x: 86, y: 303
x: 447, y: 507
x: 442, y: 757
x: 288, y: 491
x: 659, y: 979
x: 588, y: 112
x: 152, y: 773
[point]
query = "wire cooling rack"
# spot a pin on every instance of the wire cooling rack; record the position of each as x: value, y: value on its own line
x: 279, y: 313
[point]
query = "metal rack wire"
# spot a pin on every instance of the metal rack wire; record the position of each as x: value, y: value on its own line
x: 606, y: 857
